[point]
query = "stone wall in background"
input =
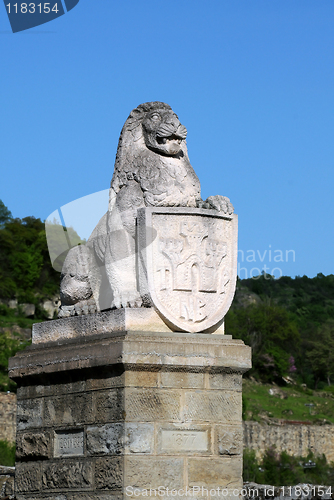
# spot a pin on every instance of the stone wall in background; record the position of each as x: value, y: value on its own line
x: 7, y: 416
x: 295, y: 439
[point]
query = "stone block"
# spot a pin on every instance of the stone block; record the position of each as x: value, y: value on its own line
x: 67, y: 474
x: 76, y: 386
x: 106, y: 378
x: 227, y: 381
x: 138, y: 438
x: 182, y: 379
x: 104, y: 440
x: 152, y: 404
x: 214, y: 473
x: 30, y: 391
x: 141, y: 378
x: 7, y: 486
x: 213, y: 406
x: 118, y: 438
x: 72, y: 409
x: 54, y: 496
x: 117, y: 320
x: 33, y: 445
x: 96, y: 496
x: 185, y: 439
x: 109, y: 473
x: 109, y: 405
x: 29, y: 414
x: 152, y: 472
x: 68, y: 443
x: 228, y: 440
x: 28, y: 477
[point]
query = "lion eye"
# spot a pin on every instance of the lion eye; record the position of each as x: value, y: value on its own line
x: 155, y: 116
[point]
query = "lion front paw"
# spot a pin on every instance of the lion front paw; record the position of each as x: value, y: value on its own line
x: 130, y: 298
x: 220, y: 203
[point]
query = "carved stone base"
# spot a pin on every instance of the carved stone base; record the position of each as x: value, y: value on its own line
x: 118, y: 320
x: 116, y: 414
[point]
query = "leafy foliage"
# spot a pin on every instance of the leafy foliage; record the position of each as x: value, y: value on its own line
x: 5, y: 214
x: 25, y: 267
x: 321, y: 352
x: 284, y: 470
x: 10, y: 343
x: 7, y: 453
x: 289, y: 325
x: 271, y: 333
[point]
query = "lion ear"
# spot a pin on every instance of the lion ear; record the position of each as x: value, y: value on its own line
x: 137, y: 133
x: 134, y: 127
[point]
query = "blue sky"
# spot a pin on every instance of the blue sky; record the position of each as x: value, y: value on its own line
x: 252, y: 80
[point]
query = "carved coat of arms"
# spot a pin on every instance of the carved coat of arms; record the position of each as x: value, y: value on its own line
x: 188, y: 264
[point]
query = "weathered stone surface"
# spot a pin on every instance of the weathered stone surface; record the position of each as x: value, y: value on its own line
x: 141, y: 378
x: 138, y: 438
x: 296, y: 440
x: 107, y: 378
x: 30, y: 391
x: 143, y: 404
x: 213, y: 406
x: 72, y: 409
x: 96, y: 496
x: 67, y: 474
x: 109, y: 405
x: 119, y: 438
x: 68, y: 443
x: 105, y: 439
x: 229, y: 440
x: 147, y: 350
x: 182, y: 379
x: 184, y: 439
x: 117, y: 320
x: 28, y: 477
x: 8, y: 406
x: 7, y: 482
x: 212, y: 472
x: 29, y: 414
x: 109, y: 473
x: 50, y: 496
x: 228, y: 381
x: 33, y: 444
x: 152, y: 472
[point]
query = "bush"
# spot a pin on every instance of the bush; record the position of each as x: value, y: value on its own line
x: 7, y: 453
x: 286, y: 470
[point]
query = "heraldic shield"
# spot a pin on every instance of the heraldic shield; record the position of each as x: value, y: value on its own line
x: 187, y: 262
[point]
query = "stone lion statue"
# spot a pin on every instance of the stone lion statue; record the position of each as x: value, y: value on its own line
x: 152, y: 168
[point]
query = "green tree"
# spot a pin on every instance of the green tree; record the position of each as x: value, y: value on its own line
x: 321, y: 353
x: 271, y: 332
x: 25, y: 267
x: 5, y: 214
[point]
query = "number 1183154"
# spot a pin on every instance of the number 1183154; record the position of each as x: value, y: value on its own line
x: 32, y: 8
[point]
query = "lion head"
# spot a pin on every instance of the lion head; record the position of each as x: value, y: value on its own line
x: 153, y: 130
x: 163, y: 132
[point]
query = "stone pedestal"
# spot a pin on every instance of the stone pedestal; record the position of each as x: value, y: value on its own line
x: 115, y: 414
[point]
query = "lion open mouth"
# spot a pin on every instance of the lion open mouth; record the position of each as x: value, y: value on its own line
x: 171, y: 139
